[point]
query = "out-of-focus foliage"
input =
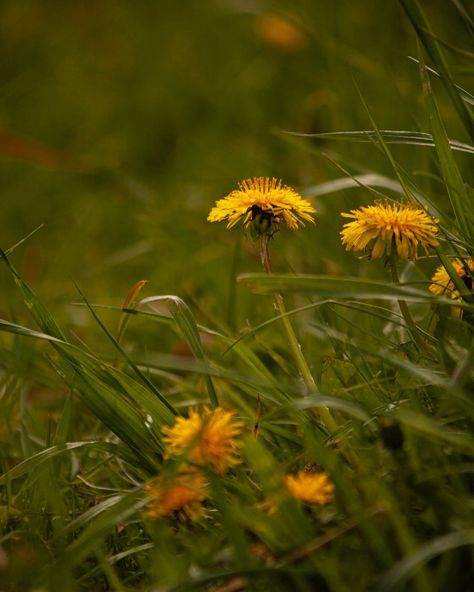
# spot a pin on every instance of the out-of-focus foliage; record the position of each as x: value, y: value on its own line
x: 121, y: 123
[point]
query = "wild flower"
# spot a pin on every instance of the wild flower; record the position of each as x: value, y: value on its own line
x: 387, y: 226
x: 442, y: 284
x: 263, y: 204
x: 210, y: 438
x: 183, y: 493
x: 311, y: 488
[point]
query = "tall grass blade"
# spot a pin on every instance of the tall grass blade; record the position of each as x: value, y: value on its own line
x: 185, y: 320
x: 408, y: 565
x: 389, y: 136
x: 449, y: 169
x: 423, y: 30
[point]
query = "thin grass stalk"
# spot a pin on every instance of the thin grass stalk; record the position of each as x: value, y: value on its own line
x: 412, y: 327
x: 305, y: 372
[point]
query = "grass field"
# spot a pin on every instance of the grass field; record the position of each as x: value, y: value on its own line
x: 272, y: 406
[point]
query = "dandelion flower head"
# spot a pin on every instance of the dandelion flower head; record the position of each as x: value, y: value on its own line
x: 263, y: 204
x: 442, y: 284
x: 386, y: 226
x: 184, y: 494
x: 311, y: 488
x: 210, y: 438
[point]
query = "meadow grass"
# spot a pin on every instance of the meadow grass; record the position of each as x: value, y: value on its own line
x: 343, y: 457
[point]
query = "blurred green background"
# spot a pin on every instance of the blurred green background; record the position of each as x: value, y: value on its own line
x: 122, y: 122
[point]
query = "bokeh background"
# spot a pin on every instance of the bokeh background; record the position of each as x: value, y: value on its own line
x: 122, y: 122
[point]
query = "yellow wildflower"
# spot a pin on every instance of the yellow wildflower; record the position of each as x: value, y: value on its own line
x: 311, y: 488
x: 208, y: 439
x: 184, y: 493
x: 402, y: 226
x: 442, y: 284
x: 280, y: 32
x: 264, y: 204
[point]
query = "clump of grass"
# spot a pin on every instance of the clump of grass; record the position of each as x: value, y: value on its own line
x: 265, y: 458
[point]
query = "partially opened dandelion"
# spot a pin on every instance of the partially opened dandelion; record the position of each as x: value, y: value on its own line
x: 382, y: 228
x: 442, y: 284
x: 394, y: 230
x: 209, y: 438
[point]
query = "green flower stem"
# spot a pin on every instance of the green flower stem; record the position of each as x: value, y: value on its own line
x: 295, y: 347
x: 413, y: 329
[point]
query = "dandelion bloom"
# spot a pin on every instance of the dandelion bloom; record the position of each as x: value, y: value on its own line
x: 442, y: 284
x: 280, y: 32
x: 311, y: 488
x: 210, y: 438
x: 402, y: 226
x: 264, y: 204
x: 185, y: 493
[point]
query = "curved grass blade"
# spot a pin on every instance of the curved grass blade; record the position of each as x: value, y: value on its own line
x: 129, y: 303
x: 125, y: 406
x: 185, y: 320
x: 432, y: 428
x: 45, y: 455
x: 424, y: 33
x: 39, y: 312
x: 340, y: 287
x: 119, y: 348
x: 102, y: 520
x: 449, y: 169
x: 337, y: 403
x: 462, y: 91
x: 389, y: 136
x: 369, y: 180
x: 407, y: 566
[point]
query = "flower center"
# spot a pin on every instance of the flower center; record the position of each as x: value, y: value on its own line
x: 262, y: 222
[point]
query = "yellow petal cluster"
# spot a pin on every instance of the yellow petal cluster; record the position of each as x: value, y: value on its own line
x: 385, y: 226
x: 210, y: 438
x: 443, y: 285
x: 184, y: 493
x: 263, y: 197
x: 311, y: 488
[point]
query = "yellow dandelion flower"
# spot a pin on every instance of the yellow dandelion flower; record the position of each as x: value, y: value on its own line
x: 185, y: 493
x: 442, y: 284
x: 311, y: 488
x: 208, y: 439
x: 264, y: 204
x: 402, y: 226
x: 280, y: 32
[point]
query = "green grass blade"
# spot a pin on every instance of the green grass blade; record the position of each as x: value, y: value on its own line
x: 390, y: 137
x: 449, y: 169
x: 39, y: 312
x: 337, y: 287
x: 467, y: 96
x: 423, y: 30
x: 409, y: 564
x: 101, y: 521
x: 186, y: 322
x: 122, y: 352
x: 126, y: 407
x: 46, y: 455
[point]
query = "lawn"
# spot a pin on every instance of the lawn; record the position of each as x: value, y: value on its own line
x: 236, y: 298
